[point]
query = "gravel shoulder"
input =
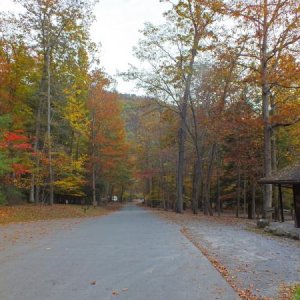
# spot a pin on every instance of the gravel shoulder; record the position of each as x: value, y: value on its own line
x: 254, y: 261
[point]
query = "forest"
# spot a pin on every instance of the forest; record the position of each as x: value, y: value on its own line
x: 221, y: 85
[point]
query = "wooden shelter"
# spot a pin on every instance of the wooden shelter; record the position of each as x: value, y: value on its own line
x: 287, y: 177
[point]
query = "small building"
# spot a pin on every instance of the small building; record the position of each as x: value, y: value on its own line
x: 288, y: 177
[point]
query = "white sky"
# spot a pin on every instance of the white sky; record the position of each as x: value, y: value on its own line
x: 116, y: 28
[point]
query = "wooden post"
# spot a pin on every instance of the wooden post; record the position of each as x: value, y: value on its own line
x: 281, y: 202
x: 296, y: 190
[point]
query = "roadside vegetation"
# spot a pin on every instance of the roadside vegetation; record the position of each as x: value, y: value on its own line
x: 297, y: 293
x: 30, y: 213
x: 221, y: 111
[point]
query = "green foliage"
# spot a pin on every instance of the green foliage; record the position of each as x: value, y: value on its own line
x: 5, y: 121
x: 5, y: 164
x: 297, y: 293
x: 3, y: 197
x: 10, y: 195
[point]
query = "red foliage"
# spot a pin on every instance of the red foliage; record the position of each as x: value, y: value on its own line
x: 14, y: 137
x: 15, y: 140
x: 20, y: 169
x: 23, y: 146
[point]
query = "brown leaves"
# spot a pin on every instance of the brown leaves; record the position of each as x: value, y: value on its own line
x: 116, y: 293
x: 29, y: 213
x: 245, y: 294
x: 287, y: 292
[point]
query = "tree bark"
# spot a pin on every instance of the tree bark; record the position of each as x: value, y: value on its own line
x: 122, y: 193
x: 180, y: 167
x: 94, y: 185
x: 245, y: 197
x: 94, y: 200
x: 266, y: 114
x: 51, y: 179
x: 33, y: 198
x: 274, y: 168
x: 196, y: 184
x: 182, y: 129
x: 218, y: 204
x: 253, y: 209
x: 111, y: 192
x: 238, y: 193
x: 207, y: 206
x: 218, y: 194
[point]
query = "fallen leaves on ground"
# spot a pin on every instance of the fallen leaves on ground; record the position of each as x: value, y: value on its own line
x: 29, y: 213
x: 184, y: 220
x: 188, y: 215
x: 245, y: 294
x: 27, y: 223
x: 288, y: 292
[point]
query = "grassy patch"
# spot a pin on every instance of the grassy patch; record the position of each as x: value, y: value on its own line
x: 28, y: 213
x: 289, y: 292
x: 297, y: 293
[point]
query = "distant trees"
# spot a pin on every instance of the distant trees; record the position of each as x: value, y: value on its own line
x: 222, y: 109
x: 170, y: 51
x: 109, y: 161
x: 47, y: 85
x: 234, y: 85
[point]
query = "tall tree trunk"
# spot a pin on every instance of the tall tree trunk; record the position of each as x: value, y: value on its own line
x: 207, y: 207
x: 33, y: 198
x: 94, y: 200
x: 182, y: 129
x: 94, y: 185
x: 180, y: 167
x: 196, y: 184
x: 51, y: 183
x: 37, y: 194
x: 34, y: 189
x: 218, y: 206
x: 122, y: 193
x: 253, y: 209
x: 218, y: 194
x: 274, y: 168
x: 201, y: 194
x: 266, y: 114
x: 111, y: 194
x: 238, y: 193
x: 245, y: 197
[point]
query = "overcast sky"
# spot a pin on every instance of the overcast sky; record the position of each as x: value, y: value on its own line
x: 117, y: 29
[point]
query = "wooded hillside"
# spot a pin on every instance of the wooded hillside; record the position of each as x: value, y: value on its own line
x: 221, y: 108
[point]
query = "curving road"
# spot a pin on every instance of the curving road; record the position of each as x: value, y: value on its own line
x: 130, y: 254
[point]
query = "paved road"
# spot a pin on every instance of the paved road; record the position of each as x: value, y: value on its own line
x: 130, y: 254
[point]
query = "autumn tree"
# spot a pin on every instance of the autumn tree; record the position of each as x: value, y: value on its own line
x: 170, y: 52
x: 272, y: 30
x: 55, y: 29
x: 108, y: 144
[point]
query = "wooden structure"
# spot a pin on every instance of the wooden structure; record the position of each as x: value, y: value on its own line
x: 287, y: 177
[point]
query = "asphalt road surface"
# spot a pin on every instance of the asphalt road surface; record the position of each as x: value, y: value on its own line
x: 130, y: 254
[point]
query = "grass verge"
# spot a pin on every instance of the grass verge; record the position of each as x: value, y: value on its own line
x: 297, y: 293
x: 29, y: 213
